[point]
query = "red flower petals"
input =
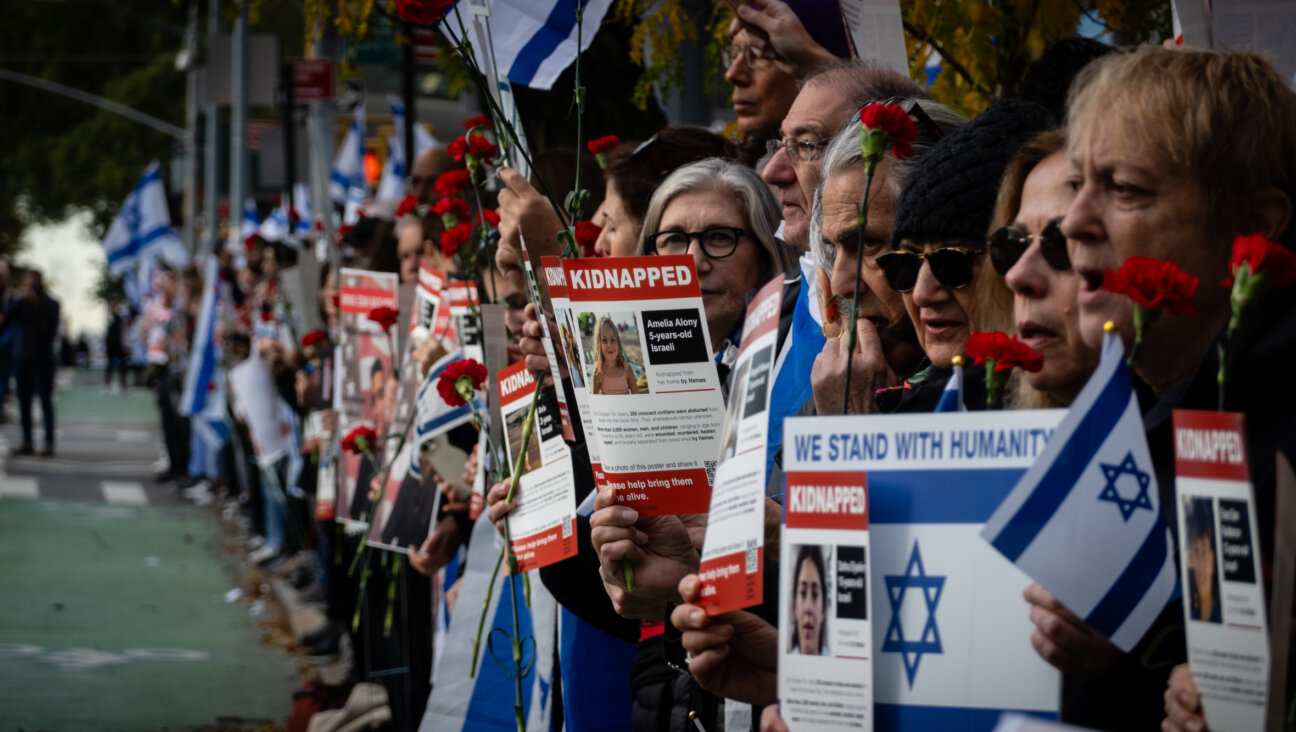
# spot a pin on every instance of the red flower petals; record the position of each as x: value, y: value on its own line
x: 1006, y: 353
x: 1153, y: 284
x: 384, y: 316
x: 1276, y: 262
x: 451, y: 183
x: 360, y: 440
x: 604, y: 144
x: 459, y: 380
x: 454, y: 238
x: 894, y: 124
x: 587, y: 232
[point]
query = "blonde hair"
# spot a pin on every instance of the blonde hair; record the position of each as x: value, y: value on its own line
x: 598, y: 345
x: 1224, y: 119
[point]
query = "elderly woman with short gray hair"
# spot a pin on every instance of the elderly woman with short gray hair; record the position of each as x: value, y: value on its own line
x: 725, y: 216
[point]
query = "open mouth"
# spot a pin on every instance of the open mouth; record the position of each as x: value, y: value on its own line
x: 1034, y: 334
x: 1093, y: 279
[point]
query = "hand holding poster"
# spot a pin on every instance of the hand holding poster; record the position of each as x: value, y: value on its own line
x: 542, y: 525
x: 647, y: 360
x: 1223, y: 596
x: 733, y: 553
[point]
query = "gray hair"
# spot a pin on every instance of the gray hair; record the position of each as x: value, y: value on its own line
x: 758, y: 206
x: 844, y: 153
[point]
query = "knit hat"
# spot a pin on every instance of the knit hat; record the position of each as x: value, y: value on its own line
x: 822, y: 20
x: 951, y: 191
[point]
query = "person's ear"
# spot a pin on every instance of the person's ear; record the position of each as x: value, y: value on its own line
x: 1271, y: 213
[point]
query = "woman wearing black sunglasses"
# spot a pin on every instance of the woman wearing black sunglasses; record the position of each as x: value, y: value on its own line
x: 938, y: 260
x: 1028, y: 248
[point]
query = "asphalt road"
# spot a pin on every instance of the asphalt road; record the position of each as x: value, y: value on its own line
x: 113, y: 607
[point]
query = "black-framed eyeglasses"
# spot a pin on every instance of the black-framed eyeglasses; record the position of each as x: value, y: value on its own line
x: 1007, y: 245
x: 914, y: 109
x: 754, y: 57
x: 952, y: 266
x: 717, y: 242
x: 797, y: 148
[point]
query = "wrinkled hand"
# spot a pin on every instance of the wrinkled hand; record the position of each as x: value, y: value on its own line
x: 532, y: 347
x: 498, y: 507
x: 426, y: 354
x: 1066, y: 641
x: 660, y: 551
x: 437, y: 549
x: 734, y: 655
x: 525, y: 212
x: 772, y: 721
x: 1182, y: 703
x: 787, y: 36
x: 869, y: 372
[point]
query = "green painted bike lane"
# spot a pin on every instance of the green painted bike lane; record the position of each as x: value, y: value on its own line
x: 113, y: 618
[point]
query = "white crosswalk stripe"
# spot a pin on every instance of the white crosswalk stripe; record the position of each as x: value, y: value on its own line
x: 123, y: 492
x: 13, y: 486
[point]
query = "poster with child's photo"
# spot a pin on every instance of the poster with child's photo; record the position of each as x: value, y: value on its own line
x: 613, y: 353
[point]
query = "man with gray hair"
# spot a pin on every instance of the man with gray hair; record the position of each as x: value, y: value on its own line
x: 886, y: 349
x: 826, y: 102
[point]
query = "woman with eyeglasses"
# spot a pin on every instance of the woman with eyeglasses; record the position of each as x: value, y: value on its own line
x: 1028, y: 249
x: 724, y: 215
x: 937, y: 260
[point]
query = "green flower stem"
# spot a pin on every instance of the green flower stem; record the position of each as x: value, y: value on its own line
x: 1247, y: 288
x: 490, y: 590
x: 1143, y: 320
x: 527, y: 428
x: 382, y: 483
x: 391, y: 600
x: 516, y: 641
x: 995, y: 382
x: 862, y: 219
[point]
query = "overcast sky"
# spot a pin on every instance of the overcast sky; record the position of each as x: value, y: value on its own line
x: 71, y: 260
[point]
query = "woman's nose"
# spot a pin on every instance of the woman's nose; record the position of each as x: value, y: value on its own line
x: 928, y: 290
x: 1029, y: 275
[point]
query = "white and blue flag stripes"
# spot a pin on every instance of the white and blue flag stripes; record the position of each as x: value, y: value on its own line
x: 951, y: 399
x: 1085, y: 520
x: 143, y: 228
x: 348, y: 164
x: 392, y: 183
x: 251, y: 221
x: 204, y: 358
x: 534, y: 40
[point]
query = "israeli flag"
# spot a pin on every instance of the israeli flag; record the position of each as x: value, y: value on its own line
x: 203, y: 396
x: 1085, y: 520
x: 275, y: 227
x: 251, y: 221
x: 143, y: 228
x: 348, y: 165
x: 951, y: 399
x: 792, y: 367
x: 533, y: 41
x: 392, y: 182
x: 302, y: 205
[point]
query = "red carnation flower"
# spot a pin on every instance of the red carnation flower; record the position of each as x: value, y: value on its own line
x: 384, y: 316
x: 887, y: 124
x: 310, y: 339
x: 604, y: 144
x: 454, y: 238
x: 451, y: 183
x: 480, y: 120
x: 1276, y: 262
x: 1153, y: 284
x: 587, y: 232
x: 408, y: 205
x: 345, y: 229
x: 422, y: 11
x: 1006, y: 353
x: 459, y: 380
x: 456, y: 207
x: 360, y: 440
x: 473, y: 148
x: 492, y: 218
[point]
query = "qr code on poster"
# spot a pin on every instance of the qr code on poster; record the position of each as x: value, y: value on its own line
x: 751, y: 556
x: 566, y: 526
x: 710, y: 466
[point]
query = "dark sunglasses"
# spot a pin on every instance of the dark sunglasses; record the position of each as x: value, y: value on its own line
x: 952, y: 267
x: 1009, y: 243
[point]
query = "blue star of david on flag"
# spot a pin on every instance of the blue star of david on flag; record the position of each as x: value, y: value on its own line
x: 1110, y: 492
x: 916, y: 577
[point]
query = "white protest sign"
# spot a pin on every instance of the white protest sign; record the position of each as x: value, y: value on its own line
x: 733, y: 553
x: 269, y: 419
x: 654, y: 394
x: 1223, y: 595
x: 951, y: 634
x: 543, y: 525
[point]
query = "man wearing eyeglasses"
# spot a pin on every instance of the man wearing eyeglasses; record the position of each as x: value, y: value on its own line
x: 772, y: 45
x: 427, y: 168
x: 827, y: 101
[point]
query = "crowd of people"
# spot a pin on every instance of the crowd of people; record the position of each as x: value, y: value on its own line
x: 1006, y: 221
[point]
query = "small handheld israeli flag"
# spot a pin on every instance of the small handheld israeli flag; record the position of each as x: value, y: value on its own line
x: 951, y: 399
x: 1085, y: 520
x: 251, y: 222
